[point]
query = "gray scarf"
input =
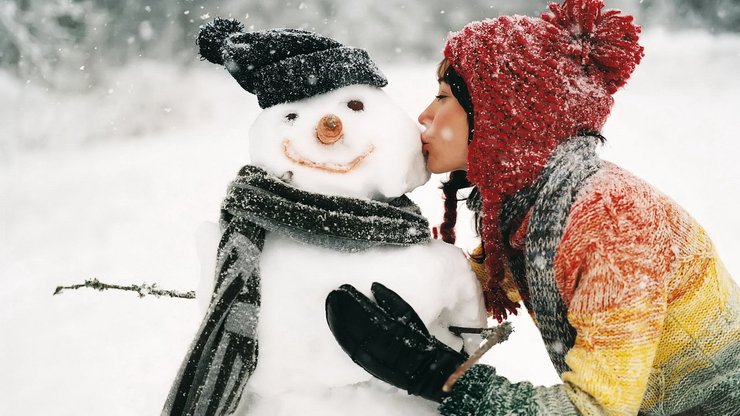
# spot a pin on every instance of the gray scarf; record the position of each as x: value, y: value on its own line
x: 224, y: 353
x: 551, y: 198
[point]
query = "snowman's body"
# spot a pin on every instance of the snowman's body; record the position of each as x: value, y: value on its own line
x: 301, y: 365
x: 301, y: 370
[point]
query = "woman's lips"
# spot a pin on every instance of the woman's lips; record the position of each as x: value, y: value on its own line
x: 424, y: 146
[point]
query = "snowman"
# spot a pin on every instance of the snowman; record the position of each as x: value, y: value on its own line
x: 321, y: 204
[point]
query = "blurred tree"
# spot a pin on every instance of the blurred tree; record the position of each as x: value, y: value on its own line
x: 718, y: 15
x: 53, y: 41
x: 713, y: 15
x: 68, y: 43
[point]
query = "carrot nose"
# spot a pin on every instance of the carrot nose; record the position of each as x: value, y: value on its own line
x: 329, y: 129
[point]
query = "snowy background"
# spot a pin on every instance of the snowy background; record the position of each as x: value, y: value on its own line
x: 111, y: 180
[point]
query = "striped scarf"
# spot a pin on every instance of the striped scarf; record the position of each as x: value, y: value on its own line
x: 549, y: 199
x: 224, y: 353
x: 551, y: 196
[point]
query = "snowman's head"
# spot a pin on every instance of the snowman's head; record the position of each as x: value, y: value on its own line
x: 327, y: 127
x: 353, y: 141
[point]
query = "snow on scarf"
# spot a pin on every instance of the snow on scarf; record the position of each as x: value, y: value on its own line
x: 224, y: 353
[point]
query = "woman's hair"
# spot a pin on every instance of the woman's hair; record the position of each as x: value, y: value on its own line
x: 458, y: 179
x: 446, y: 73
x: 442, y: 68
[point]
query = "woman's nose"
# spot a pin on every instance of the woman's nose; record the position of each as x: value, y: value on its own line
x: 426, y: 117
x: 422, y: 119
x: 329, y: 129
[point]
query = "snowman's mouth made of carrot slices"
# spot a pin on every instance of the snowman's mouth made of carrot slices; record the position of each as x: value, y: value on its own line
x: 294, y: 157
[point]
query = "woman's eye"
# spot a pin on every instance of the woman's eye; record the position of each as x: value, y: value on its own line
x: 291, y: 116
x: 356, y: 105
x: 439, y: 97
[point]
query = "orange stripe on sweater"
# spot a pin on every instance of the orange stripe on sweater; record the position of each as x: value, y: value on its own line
x: 618, y: 236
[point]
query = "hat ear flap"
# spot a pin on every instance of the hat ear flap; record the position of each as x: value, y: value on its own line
x: 212, y: 37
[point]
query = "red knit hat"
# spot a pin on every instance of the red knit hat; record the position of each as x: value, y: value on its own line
x: 535, y: 82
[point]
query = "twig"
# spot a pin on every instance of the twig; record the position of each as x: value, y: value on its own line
x: 142, y: 290
x: 484, y: 332
x: 493, y: 336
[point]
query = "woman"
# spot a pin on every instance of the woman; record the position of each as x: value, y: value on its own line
x: 637, y: 312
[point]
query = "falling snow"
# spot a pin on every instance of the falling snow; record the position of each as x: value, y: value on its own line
x: 124, y: 205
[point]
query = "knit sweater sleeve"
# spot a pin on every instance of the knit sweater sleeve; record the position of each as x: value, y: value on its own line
x: 611, y: 266
x: 481, y: 392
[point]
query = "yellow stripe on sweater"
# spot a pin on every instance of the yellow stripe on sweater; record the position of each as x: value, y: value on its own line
x: 613, y: 354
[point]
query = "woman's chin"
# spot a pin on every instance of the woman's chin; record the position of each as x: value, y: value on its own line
x: 436, y: 169
x: 434, y: 166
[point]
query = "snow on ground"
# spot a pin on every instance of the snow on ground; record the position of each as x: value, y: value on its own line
x: 126, y: 211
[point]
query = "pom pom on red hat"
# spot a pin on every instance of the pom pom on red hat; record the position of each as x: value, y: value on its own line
x: 605, y: 41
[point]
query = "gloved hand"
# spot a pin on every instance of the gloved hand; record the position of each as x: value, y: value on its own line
x: 389, y: 340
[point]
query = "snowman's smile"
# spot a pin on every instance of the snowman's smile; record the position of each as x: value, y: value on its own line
x: 332, y: 167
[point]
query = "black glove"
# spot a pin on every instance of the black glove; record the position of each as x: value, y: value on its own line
x: 389, y: 340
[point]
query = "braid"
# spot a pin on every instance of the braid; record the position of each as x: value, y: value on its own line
x: 458, y: 180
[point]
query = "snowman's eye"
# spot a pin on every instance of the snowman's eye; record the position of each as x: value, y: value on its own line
x: 291, y: 116
x: 356, y: 105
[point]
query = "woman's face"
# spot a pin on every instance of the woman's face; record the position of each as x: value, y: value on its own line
x: 445, y: 140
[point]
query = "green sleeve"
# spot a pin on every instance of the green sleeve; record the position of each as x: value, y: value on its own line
x: 480, y: 392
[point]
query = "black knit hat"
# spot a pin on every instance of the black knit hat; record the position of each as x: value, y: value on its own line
x: 284, y: 65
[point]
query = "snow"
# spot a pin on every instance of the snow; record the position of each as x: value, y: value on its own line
x: 125, y: 208
x: 311, y: 141
x: 355, y: 400
x: 381, y: 132
x: 293, y: 305
x: 298, y: 354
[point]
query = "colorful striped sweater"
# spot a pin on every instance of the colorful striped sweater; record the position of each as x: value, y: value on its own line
x: 651, y: 321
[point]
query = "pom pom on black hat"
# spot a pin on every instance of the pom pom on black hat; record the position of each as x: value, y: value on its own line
x: 212, y: 38
x: 285, y: 65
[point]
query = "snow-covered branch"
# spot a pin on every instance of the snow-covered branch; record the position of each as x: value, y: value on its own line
x: 493, y: 336
x: 142, y: 290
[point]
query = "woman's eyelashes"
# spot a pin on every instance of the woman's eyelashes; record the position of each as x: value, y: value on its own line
x: 291, y: 116
x: 440, y: 96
